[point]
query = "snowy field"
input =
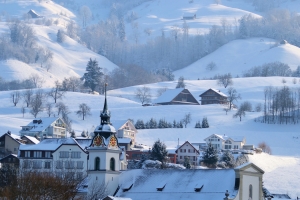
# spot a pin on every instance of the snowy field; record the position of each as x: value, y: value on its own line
x: 284, y: 140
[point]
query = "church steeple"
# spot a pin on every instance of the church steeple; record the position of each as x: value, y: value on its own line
x: 105, y: 115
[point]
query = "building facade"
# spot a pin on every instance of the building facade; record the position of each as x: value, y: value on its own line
x: 225, y: 142
x: 187, y: 150
x: 213, y: 96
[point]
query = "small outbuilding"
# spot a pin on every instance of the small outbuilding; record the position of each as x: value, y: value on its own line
x: 178, y: 96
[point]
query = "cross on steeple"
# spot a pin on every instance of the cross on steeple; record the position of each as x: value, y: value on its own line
x: 105, y: 115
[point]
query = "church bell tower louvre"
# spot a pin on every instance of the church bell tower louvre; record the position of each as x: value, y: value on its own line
x: 104, y: 154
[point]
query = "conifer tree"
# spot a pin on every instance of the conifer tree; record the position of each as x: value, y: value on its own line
x: 187, y: 162
x: 152, y: 123
x: 228, y: 159
x: 210, y: 156
x: 205, y: 123
x: 93, y: 76
x: 159, y: 152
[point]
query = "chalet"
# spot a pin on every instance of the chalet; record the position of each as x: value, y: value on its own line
x: 9, y: 144
x: 189, y: 16
x: 33, y: 14
x: 187, y: 150
x: 47, y: 127
x: 178, y: 96
x: 244, y: 182
x: 226, y: 142
x: 126, y: 132
x: 213, y: 96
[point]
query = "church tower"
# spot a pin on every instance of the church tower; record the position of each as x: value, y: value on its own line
x: 104, y: 155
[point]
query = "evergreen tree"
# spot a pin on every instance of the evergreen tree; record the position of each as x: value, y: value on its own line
x: 60, y: 36
x: 205, y: 123
x: 210, y: 156
x: 228, y: 159
x: 159, y: 152
x: 198, y: 125
x: 180, y: 125
x: 73, y: 134
x: 174, y: 124
x: 83, y: 134
x: 147, y: 125
x: 93, y: 76
x: 161, y: 123
x: 170, y: 125
x: 152, y: 123
x: 139, y: 124
x: 187, y: 162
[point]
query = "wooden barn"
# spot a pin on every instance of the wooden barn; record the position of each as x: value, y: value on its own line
x: 213, y: 96
x: 178, y: 96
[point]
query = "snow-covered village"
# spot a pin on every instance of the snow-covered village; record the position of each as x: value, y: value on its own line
x: 150, y: 99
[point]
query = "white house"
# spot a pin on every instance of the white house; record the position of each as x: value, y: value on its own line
x: 226, y: 142
x: 242, y: 183
x: 57, y: 155
x: 187, y: 150
x: 47, y: 127
x: 125, y: 129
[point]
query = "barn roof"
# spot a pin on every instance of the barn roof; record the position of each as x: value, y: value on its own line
x: 216, y: 91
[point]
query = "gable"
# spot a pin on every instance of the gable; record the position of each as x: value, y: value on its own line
x: 250, y: 169
x: 212, y: 91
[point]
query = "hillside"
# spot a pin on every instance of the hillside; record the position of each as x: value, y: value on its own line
x: 241, y: 55
x: 69, y: 58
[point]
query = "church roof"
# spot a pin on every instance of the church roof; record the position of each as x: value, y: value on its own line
x: 177, y: 184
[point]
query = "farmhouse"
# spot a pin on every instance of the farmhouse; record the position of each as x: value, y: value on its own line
x: 226, y: 142
x: 178, y: 96
x: 47, y: 127
x: 213, y: 96
x: 189, y: 151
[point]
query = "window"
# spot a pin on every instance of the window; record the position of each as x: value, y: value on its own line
x: 37, y: 164
x: 189, y: 150
x: 47, y: 165
x: 79, y: 164
x: 27, y: 154
x: 250, y: 192
x: 75, y: 154
x: 184, y: 150
x: 69, y: 164
x: 97, y: 163
x: 37, y: 154
x: 180, y: 150
x: 48, y: 154
x: 180, y: 157
x: 112, y: 164
x: 64, y: 154
x: 59, y: 164
x: 26, y: 164
x: 236, y: 146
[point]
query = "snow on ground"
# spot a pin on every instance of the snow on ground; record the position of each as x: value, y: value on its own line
x: 160, y: 15
x: 282, y: 174
x: 69, y: 58
x: 239, y: 56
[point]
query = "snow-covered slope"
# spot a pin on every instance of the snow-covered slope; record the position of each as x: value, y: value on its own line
x: 69, y: 58
x: 241, y: 55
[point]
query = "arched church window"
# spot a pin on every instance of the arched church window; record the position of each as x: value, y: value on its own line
x: 97, y: 163
x: 250, y: 192
x: 112, y: 164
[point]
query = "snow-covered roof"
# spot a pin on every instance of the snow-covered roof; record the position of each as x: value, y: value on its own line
x: 226, y: 137
x: 179, y: 184
x: 84, y: 142
x: 32, y: 139
x: 168, y: 95
x: 215, y: 90
x: 45, y: 123
x: 187, y: 142
x: 118, y: 123
x: 49, y: 144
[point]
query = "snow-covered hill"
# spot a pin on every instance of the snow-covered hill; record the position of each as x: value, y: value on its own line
x: 239, y: 56
x: 69, y: 58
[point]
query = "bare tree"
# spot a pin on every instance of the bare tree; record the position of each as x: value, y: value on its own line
x: 36, y: 80
x: 36, y: 103
x: 187, y: 119
x: 148, y: 31
x: 62, y: 108
x: 56, y: 92
x: 27, y: 95
x: 83, y: 111
x: 72, y: 30
x: 15, y: 97
x: 225, y: 80
x: 265, y: 147
x: 232, y: 96
x: 85, y: 15
x: 211, y: 66
x: 226, y: 109
x: 143, y: 94
x: 49, y: 109
x: 23, y: 110
x: 180, y: 82
x: 97, y: 190
x: 240, y: 113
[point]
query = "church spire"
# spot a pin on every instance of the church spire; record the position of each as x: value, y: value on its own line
x: 105, y: 115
